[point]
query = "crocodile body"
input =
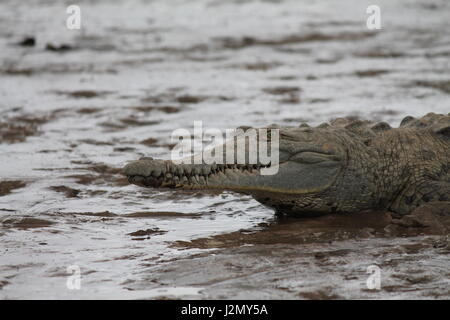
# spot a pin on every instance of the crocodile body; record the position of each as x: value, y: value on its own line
x: 346, y: 165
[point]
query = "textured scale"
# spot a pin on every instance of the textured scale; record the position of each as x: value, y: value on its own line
x: 413, y: 159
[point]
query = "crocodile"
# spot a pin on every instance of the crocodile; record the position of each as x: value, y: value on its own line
x: 345, y: 165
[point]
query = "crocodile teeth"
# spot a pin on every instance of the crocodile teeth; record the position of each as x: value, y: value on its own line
x: 187, y: 170
x: 206, y: 170
x: 196, y: 170
x: 178, y: 171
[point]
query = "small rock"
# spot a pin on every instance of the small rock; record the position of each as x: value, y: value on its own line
x: 28, y: 42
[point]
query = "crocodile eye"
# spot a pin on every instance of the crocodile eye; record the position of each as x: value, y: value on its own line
x: 313, y: 157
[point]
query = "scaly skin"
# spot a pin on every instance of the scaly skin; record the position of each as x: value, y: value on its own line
x: 345, y: 166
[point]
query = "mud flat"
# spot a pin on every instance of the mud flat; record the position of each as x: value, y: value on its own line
x: 325, y: 257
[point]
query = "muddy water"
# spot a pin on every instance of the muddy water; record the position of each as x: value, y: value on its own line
x: 77, y: 105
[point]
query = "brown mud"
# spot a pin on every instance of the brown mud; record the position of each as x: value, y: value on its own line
x: 7, y: 186
x: 17, y: 129
x: 331, y: 228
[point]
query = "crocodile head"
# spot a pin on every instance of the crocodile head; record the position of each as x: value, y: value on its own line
x: 314, y: 165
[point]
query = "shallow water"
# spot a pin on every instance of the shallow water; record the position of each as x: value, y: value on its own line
x: 70, y: 119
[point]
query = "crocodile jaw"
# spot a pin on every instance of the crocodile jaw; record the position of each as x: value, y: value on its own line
x: 292, y: 177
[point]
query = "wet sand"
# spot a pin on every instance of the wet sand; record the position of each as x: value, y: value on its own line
x: 78, y: 105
